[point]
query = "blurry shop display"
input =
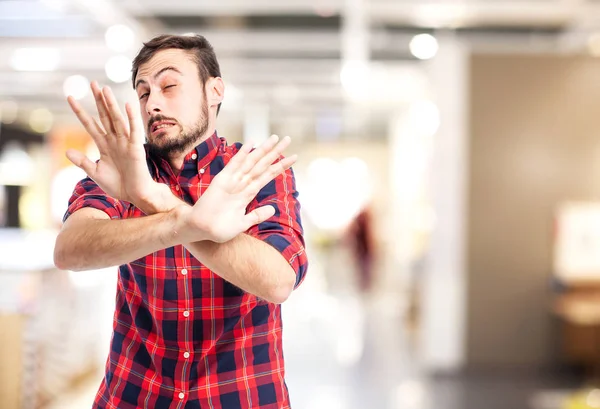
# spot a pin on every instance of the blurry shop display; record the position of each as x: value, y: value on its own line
x: 576, y: 268
x: 577, y: 243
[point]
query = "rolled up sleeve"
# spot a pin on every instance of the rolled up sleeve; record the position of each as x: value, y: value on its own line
x: 284, y: 230
x: 88, y: 194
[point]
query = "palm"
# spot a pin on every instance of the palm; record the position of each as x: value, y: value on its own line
x: 227, y: 209
x: 121, y: 171
x: 221, y: 210
x: 108, y: 177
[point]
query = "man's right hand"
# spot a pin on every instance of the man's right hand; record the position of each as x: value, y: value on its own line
x: 122, y: 171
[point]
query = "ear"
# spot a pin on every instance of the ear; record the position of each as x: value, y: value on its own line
x: 215, y: 91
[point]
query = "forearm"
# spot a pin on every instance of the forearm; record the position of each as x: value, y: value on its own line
x: 99, y: 243
x: 246, y: 262
x: 160, y: 201
x: 250, y: 264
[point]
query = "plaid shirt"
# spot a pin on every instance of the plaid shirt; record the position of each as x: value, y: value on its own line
x: 184, y: 338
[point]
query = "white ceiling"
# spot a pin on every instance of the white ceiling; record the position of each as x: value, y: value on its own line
x: 285, y: 55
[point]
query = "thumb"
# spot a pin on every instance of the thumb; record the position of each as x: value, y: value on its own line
x: 82, y: 162
x: 259, y: 215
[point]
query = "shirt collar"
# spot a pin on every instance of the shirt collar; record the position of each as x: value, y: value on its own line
x: 205, y: 152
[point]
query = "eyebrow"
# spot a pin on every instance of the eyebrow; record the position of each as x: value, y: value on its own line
x: 161, y: 71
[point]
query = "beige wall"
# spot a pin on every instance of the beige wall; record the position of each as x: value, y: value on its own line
x: 535, y: 141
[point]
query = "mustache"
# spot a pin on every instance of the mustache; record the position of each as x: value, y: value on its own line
x: 158, y: 118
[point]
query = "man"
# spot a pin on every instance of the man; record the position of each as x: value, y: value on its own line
x: 207, y: 235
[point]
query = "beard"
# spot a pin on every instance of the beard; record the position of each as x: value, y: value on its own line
x: 166, y: 148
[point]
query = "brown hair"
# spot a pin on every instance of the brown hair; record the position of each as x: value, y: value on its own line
x: 198, y: 47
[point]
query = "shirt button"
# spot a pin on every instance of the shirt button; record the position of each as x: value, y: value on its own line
x: 181, y: 395
x: 186, y: 314
x: 194, y: 156
x: 186, y: 355
x: 177, y: 188
x: 184, y: 271
x: 201, y: 170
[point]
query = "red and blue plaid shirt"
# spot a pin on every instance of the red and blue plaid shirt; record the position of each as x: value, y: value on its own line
x: 184, y: 338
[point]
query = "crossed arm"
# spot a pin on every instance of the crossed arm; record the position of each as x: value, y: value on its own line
x: 212, y: 230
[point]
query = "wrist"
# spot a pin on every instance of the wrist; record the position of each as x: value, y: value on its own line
x: 157, y: 199
x: 187, y: 228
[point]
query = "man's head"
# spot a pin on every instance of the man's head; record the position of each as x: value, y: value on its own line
x: 178, y: 83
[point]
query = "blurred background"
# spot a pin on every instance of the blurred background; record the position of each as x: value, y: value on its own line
x: 449, y: 175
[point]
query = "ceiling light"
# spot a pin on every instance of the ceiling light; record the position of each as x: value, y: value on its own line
x: 14, y: 157
x: 118, y: 68
x: 41, y: 120
x: 119, y: 38
x: 76, y: 86
x: 355, y: 78
x: 424, y: 46
x: 35, y: 59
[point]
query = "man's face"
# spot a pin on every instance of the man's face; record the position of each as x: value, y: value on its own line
x: 173, y: 101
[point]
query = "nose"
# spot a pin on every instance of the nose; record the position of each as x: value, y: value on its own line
x: 153, y: 104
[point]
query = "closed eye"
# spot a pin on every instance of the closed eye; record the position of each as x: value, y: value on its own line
x: 144, y: 95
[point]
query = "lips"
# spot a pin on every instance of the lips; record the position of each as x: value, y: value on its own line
x: 157, y: 126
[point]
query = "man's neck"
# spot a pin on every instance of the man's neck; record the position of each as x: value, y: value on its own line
x: 176, y: 161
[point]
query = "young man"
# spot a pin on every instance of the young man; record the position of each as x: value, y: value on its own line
x: 207, y: 235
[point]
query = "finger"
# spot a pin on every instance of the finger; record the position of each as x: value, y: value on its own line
x: 102, y: 109
x: 114, y: 112
x: 82, y: 162
x: 259, y: 215
x: 90, y: 124
x: 99, y: 128
x: 135, y: 133
x: 272, y: 172
x: 239, y: 158
x: 283, y: 165
x: 258, y: 153
x: 263, y: 164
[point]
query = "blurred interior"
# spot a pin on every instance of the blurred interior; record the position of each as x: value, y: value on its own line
x: 447, y: 173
